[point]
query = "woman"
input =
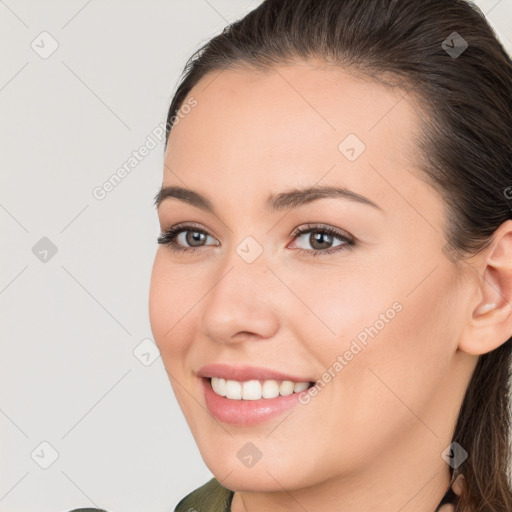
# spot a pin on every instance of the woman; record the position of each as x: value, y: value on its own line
x: 332, y: 293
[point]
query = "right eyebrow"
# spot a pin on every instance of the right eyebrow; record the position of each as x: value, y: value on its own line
x: 184, y: 194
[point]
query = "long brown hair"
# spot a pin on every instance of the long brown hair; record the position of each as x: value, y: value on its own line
x: 446, y: 54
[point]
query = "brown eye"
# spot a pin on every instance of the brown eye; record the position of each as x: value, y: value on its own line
x: 320, y: 239
x: 185, y: 238
x: 194, y: 238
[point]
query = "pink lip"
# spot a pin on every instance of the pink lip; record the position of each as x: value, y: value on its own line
x: 245, y: 373
x: 246, y: 412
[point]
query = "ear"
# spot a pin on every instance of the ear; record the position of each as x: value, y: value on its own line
x: 489, y: 322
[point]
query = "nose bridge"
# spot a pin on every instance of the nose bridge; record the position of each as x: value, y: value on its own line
x: 246, y: 260
x: 242, y: 297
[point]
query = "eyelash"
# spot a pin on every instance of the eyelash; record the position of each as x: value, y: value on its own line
x: 168, y: 238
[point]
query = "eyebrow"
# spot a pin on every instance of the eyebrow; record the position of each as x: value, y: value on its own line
x: 285, y: 200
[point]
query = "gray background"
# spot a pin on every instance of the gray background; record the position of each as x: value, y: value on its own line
x: 87, y: 413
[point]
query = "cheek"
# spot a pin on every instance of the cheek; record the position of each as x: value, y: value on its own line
x: 169, y: 302
x: 396, y: 375
x: 168, y: 306
x: 340, y: 306
x: 382, y: 345
x: 158, y: 299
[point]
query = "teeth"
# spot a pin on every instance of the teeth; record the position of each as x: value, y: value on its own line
x: 219, y: 386
x: 300, y: 386
x: 270, y: 389
x: 286, y: 388
x: 255, y: 389
x: 233, y: 390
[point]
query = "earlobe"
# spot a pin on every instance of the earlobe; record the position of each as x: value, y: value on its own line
x: 490, y: 321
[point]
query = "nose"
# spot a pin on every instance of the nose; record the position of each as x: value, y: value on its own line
x: 242, y: 304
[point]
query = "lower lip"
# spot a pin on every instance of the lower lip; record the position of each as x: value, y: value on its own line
x: 247, y: 412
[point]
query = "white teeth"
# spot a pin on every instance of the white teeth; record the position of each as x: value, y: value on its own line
x: 300, y: 386
x: 251, y: 390
x: 270, y: 389
x: 233, y: 390
x: 286, y: 388
x: 255, y: 389
x: 219, y: 386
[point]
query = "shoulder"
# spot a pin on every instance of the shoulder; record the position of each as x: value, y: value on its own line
x: 88, y: 510
x: 210, y: 497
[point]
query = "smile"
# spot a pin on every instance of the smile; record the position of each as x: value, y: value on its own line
x: 256, y: 389
x: 244, y: 402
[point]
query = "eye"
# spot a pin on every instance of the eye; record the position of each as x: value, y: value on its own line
x: 321, y: 239
x: 177, y: 238
x: 189, y: 238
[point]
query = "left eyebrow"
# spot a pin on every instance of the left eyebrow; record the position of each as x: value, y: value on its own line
x: 285, y: 200
x: 298, y: 197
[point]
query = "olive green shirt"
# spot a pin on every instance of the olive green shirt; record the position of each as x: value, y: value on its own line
x: 210, y: 497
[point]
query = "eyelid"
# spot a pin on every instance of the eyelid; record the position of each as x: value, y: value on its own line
x: 305, y: 228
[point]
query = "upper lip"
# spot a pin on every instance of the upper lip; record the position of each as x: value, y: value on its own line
x: 245, y: 373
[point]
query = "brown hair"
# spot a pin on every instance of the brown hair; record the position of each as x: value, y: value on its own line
x: 465, y: 149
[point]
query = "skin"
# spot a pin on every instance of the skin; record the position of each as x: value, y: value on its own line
x: 372, y: 438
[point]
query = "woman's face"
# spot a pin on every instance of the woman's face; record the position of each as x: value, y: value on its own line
x: 379, y: 311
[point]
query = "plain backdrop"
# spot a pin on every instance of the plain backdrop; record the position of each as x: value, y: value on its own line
x: 87, y: 413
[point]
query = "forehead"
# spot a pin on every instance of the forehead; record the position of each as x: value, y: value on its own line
x: 292, y: 125
x: 328, y: 97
